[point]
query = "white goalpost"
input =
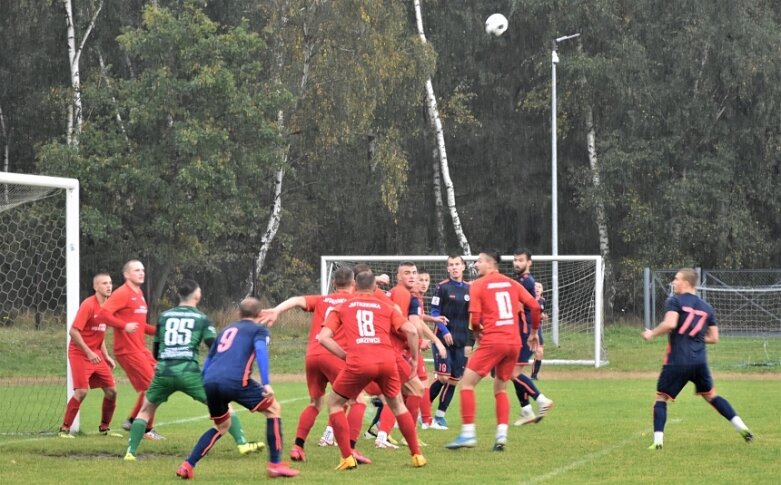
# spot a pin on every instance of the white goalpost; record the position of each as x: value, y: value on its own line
x: 39, y: 291
x: 574, y: 334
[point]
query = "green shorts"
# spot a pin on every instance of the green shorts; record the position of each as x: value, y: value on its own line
x: 162, y: 387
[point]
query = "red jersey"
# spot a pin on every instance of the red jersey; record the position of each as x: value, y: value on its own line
x: 367, y: 323
x: 401, y: 296
x: 497, y: 300
x: 122, y: 307
x: 92, y: 329
x: 321, y: 306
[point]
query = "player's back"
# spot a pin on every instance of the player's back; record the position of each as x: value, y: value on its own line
x: 687, y: 341
x: 496, y: 298
x: 233, y: 352
x: 180, y: 331
x: 367, y: 323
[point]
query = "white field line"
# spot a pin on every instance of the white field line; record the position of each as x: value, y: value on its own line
x: 593, y: 456
x: 164, y: 423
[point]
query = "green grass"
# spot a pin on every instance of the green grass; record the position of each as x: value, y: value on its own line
x: 597, y: 433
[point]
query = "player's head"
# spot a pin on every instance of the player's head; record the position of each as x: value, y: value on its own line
x: 361, y: 268
x: 407, y: 275
x: 455, y: 267
x: 685, y: 281
x: 424, y: 281
x: 364, y: 281
x: 488, y: 262
x: 133, y: 271
x: 522, y: 259
x: 188, y: 291
x: 102, y: 284
x: 250, y: 308
x: 538, y: 288
x: 343, y: 277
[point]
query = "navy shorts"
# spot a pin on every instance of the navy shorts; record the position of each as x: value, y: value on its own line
x: 220, y: 394
x: 673, y: 378
x: 452, y: 366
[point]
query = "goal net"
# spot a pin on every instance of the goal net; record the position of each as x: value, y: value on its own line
x: 573, y: 330
x: 39, y: 292
x: 748, y: 310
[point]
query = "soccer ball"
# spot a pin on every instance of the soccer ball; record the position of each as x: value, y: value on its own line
x: 496, y: 24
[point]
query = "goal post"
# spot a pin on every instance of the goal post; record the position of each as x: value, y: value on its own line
x: 575, y: 337
x: 54, y: 244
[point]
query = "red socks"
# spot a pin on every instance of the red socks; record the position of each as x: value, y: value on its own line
x: 502, y: 408
x: 305, y: 422
x: 468, y: 406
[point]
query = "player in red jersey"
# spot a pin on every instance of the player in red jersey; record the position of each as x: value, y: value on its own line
x: 367, y: 323
x: 494, y: 304
x: 90, y: 362
x: 126, y: 311
x: 321, y: 365
x: 413, y: 388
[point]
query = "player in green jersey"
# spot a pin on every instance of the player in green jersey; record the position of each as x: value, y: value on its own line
x: 180, y: 331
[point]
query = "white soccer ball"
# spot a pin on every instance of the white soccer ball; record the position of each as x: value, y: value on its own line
x: 496, y: 24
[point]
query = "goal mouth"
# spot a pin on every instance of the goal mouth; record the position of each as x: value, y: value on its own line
x: 39, y: 296
x: 572, y: 288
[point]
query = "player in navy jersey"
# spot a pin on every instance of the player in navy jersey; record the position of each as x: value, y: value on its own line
x: 451, y: 301
x: 226, y: 378
x: 524, y: 387
x: 691, y: 324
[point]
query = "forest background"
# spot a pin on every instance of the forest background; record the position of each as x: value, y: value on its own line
x: 236, y: 141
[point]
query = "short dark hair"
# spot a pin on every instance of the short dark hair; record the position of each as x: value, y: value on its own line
x: 361, y: 267
x: 525, y: 251
x: 689, y: 275
x: 249, y: 307
x: 364, y: 280
x: 493, y: 254
x: 343, y: 277
x: 406, y: 263
x: 186, y: 288
x: 456, y: 256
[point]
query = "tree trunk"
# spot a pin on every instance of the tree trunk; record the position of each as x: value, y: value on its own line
x: 104, y: 75
x: 159, y: 286
x: 439, y: 207
x: 74, y: 56
x: 601, y: 217
x: 433, y: 112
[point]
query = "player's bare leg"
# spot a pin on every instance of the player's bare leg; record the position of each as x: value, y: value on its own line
x: 408, y: 428
x: 467, y: 437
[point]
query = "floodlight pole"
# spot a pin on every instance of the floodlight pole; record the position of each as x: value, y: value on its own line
x: 554, y: 193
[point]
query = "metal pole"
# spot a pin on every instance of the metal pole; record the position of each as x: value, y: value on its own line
x: 554, y: 193
x: 554, y: 203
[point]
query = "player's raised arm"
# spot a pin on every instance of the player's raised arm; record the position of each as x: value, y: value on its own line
x: 268, y: 316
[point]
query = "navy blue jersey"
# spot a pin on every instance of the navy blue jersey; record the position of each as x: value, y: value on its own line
x: 233, y: 352
x: 451, y: 299
x: 527, y: 281
x: 687, y: 340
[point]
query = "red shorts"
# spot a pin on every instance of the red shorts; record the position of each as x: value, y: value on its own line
x: 501, y: 356
x: 321, y: 369
x: 139, y: 367
x: 354, y: 378
x: 373, y: 389
x: 87, y: 375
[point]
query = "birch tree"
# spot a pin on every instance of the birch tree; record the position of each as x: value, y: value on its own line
x: 74, y: 57
x: 436, y: 122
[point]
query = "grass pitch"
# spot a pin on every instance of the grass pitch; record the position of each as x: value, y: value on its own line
x: 597, y: 433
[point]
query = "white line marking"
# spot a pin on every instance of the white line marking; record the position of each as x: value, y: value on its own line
x: 591, y: 456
